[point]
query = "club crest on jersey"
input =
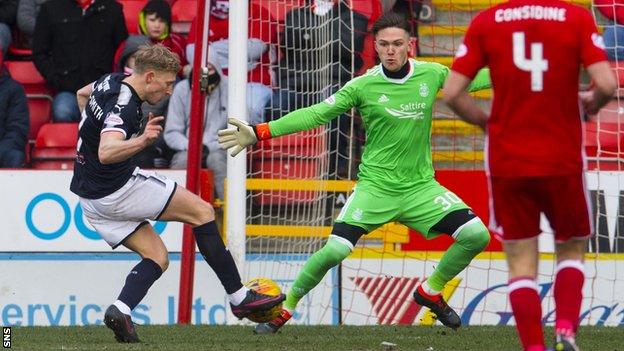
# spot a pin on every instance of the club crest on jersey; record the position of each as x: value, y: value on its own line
x: 423, y: 90
x: 462, y: 50
x: 113, y: 120
x: 598, y: 41
x: 357, y: 214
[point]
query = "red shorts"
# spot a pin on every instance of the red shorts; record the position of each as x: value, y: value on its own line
x: 518, y: 202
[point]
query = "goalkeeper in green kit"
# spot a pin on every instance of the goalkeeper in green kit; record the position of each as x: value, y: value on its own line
x: 396, y: 178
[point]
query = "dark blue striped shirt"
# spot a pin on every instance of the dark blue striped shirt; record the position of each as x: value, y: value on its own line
x: 113, y: 106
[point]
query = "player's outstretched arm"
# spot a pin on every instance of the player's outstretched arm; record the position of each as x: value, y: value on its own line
x: 296, y: 121
x: 456, y: 97
x: 244, y: 135
x: 114, y: 148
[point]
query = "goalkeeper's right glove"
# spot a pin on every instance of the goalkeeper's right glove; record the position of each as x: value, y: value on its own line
x: 244, y: 135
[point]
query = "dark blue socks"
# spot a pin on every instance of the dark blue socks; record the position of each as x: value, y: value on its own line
x: 140, y: 279
x: 218, y: 256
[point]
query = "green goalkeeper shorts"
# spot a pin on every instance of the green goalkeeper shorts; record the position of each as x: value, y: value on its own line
x: 419, y: 208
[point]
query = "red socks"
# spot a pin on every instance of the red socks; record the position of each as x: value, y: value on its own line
x: 527, y: 310
x: 527, y: 307
x: 568, y: 295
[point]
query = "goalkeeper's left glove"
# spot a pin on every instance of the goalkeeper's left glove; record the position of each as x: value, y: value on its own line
x: 244, y: 135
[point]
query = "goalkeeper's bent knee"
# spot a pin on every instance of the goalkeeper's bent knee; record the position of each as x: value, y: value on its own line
x: 335, y: 251
x: 473, y: 236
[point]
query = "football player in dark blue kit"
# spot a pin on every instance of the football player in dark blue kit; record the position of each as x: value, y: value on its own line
x: 118, y: 198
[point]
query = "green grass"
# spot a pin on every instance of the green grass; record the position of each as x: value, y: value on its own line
x: 299, y: 338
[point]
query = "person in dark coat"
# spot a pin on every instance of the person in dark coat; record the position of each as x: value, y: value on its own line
x: 8, y: 16
x: 14, y: 121
x: 309, y: 70
x: 74, y: 44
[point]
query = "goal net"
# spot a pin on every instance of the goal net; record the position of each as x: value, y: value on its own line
x: 298, y: 184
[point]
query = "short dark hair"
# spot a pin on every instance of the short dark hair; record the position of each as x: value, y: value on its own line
x: 391, y: 19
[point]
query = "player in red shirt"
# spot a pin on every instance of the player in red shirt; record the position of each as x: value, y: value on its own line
x: 534, y: 143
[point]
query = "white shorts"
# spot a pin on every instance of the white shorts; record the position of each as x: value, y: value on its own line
x: 115, y: 217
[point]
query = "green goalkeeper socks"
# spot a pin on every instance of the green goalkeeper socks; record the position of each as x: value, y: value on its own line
x: 335, y: 250
x: 470, y: 240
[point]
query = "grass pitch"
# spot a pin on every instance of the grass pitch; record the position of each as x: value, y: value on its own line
x: 299, y: 338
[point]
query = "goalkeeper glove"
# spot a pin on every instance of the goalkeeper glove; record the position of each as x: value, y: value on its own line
x: 244, y: 135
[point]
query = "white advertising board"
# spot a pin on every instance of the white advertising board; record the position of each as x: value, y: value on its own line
x: 39, y: 214
x: 76, y: 288
x: 378, y: 291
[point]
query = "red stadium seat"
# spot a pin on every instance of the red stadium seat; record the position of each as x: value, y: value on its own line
x: 604, y: 145
x: 303, y: 144
x: 131, y: 10
x: 296, y: 156
x: 55, y: 147
x: 19, y: 49
x: 40, y: 109
x: 27, y: 74
x: 58, y: 135
x: 21, y: 53
x: 183, y: 12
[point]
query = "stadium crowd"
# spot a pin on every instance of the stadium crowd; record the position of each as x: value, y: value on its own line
x: 51, y: 48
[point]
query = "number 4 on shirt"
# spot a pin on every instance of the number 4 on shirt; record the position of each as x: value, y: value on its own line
x: 534, y: 64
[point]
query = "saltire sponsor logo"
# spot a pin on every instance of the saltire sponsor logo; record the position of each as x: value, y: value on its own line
x: 405, y: 114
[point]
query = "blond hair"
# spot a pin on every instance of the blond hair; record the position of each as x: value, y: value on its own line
x: 156, y: 57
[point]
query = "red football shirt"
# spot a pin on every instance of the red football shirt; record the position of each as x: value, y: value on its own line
x: 534, y: 49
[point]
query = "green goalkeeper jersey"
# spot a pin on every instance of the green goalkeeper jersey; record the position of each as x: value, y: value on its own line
x: 397, y: 117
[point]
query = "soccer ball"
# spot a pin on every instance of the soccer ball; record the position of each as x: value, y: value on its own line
x: 268, y: 287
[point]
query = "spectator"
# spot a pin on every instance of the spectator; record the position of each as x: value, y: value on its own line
x: 156, y: 155
x: 74, y: 44
x: 262, y: 33
x: 306, y: 31
x: 26, y: 17
x: 310, y: 71
x: 258, y: 94
x: 14, y: 121
x: 8, y: 14
x: 177, y: 125
x: 155, y: 23
x: 613, y: 32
